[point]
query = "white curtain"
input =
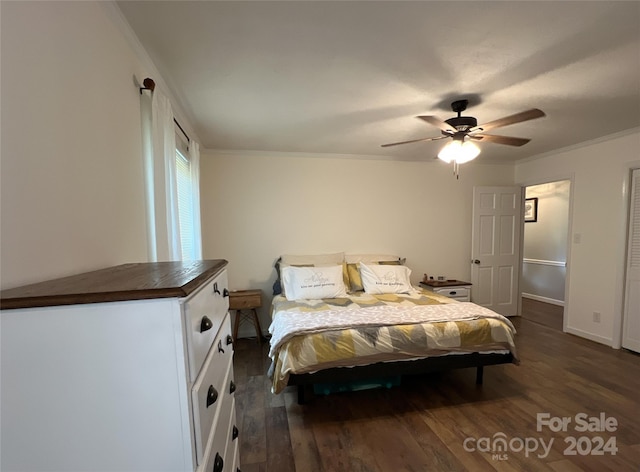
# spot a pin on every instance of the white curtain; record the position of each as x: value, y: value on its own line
x: 160, y: 178
x: 149, y: 187
x: 194, y: 160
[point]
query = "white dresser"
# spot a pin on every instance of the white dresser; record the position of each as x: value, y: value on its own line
x: 127, y: 368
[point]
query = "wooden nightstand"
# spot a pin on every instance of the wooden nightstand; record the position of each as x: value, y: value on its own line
x: 245, y: 303
x: 456, y: 289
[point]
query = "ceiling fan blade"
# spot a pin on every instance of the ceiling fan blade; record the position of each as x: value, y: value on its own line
x: 438, y: 123
x: 510, y: 120
x: 508, y: 140
x: 413, y: 141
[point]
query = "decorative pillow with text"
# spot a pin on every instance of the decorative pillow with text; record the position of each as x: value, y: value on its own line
x: 353, y: 273
x: 378, y: 279
x: 304, y: 283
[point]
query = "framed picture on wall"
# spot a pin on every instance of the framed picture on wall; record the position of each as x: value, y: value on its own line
x: 530, y: 210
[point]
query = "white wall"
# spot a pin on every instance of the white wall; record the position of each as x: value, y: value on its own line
x: 72, y: 187
x: 72, y: 194
x: 257, y: 206
x: 599, y: 173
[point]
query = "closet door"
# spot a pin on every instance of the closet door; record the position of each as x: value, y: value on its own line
x: 631, y: 326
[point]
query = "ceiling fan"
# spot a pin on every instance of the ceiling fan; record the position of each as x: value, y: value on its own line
x: 462, y: 129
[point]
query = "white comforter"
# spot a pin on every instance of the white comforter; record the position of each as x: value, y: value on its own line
x: 296, y: 321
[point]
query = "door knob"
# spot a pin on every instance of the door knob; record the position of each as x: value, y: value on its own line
x: 476, y: 261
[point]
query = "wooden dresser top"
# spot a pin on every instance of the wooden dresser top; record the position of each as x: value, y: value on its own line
x: 444, y: 283
x: 136, y: 281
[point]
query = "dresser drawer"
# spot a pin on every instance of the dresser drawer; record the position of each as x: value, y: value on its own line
x: 213, y: 387
x: 204, y: 313
x: 219, y: 452
x: 236, y: 457
x: 458, y: 293
x: 231, y: 453
x: 245, y: 299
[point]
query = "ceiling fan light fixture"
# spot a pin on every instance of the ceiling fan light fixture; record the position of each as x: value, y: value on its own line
x: 459, y: 151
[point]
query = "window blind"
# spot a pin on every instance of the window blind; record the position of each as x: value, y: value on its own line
x: 185, y: 206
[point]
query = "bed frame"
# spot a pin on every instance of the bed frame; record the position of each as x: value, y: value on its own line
x: 381, y: 369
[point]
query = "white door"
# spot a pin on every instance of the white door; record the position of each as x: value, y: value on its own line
x: 495, y: 248
x: 631, y: 323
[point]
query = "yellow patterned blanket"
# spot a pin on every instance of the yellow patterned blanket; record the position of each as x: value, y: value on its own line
x: 312, y: 335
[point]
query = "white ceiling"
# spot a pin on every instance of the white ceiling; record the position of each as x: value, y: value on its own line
x: 344, y: 77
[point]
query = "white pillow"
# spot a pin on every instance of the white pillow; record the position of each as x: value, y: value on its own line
x: 377, y: 279
x: 303, y: 283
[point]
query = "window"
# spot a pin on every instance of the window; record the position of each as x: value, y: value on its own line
x: 186, y: 207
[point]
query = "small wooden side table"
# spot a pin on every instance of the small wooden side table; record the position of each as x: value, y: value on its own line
x: 245, y: 303
x: 456, y: 289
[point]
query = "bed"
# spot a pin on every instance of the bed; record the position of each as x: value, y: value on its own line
x: 354, y: 318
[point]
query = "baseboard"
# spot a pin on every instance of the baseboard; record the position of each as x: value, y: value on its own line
x: 553, y: 301
x: 591, y: 337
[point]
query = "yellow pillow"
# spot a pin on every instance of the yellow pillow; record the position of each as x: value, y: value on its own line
x: 355, y: 281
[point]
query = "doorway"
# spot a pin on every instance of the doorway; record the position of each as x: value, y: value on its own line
x: 544, y: 252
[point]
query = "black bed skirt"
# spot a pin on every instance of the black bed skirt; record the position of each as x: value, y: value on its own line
x: 409, y: 367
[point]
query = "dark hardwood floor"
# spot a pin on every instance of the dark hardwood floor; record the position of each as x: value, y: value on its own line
x: 444, y: 422
x: 543, y: 313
